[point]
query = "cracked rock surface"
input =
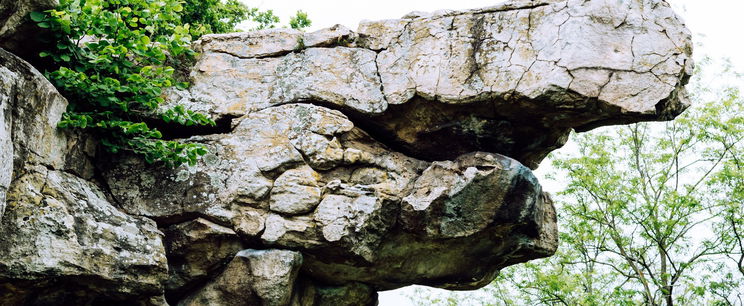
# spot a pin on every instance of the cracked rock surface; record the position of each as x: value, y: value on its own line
x: 512, y: 79
x: 61, y: 239
x: 368, y: 214
x: 345, y: 163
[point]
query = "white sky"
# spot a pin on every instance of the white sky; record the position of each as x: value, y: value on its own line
x: 717, y: 27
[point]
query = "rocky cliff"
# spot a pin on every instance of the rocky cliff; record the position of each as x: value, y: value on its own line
x: 344, y: 163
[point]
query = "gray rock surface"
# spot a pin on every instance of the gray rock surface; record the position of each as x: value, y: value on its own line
x: 308, y: 293
x: 512, y: 79
x: 370, y: 215
x: 253, y: 277
x: 196, y: 250
x: 61, y: 239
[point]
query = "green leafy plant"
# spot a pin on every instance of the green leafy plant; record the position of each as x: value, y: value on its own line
x: 115, y: 58
x: 215, y: 16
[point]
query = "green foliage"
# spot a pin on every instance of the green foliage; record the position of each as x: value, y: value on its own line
x: 264, y: 19
x: 115, y: 58
x: 214, y: 16
x: 651, y: 212
x: 300, y: 21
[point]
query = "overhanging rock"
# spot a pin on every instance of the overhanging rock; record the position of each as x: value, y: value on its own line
x: 345, y: 162
x: 512, y: 79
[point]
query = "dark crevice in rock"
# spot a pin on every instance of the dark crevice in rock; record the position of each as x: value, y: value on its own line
x: 257, y: 57
x: 510, y: 8
x: 68, y: 290
x: 172, y: 131
x: 502, y: 124
x: 184, y: 217
x: 450, y: 130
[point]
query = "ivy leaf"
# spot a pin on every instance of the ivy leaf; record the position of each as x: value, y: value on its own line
x: 37, y: 16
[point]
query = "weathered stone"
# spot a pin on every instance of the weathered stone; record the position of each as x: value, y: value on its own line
x: 63, y: 239
x: 462, y: 197
x: 511, y: 79
x: 271, y: 42
x: 253, y: 277
x: 354, y: 294
x: 386, y: 158
x: 295, y: 192
x: 32, y: 108
x: 243, y: 85
x: 308, y: 293
x: 355, y: 219
x: 461, y: 223
x: 196, y: 250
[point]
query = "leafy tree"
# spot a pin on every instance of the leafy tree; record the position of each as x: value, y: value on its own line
x: 215, y: 16
x: 115, y: 58
x: 649, y: 215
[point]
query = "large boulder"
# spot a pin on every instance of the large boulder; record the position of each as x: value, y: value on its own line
x: 253, y: 277
x: 61, y: 239
x: 512, y: 79
x: 370, y: 215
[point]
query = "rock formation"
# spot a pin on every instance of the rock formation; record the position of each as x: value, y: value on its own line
x: 344, y: 163
x: 62, y: 241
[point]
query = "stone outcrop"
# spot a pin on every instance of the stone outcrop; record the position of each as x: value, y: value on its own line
x: 345, y: 163
x: 61, y: 239
x: 253, y: 277
x: 367, y: 214
x: 512, y: 79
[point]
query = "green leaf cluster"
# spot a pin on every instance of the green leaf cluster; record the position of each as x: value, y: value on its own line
x: 114, y: 60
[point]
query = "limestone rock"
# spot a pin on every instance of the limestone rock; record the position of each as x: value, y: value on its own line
x: 30, y: 108
x: 373, y: 216
x: 354, y: 294
x: 512, y: 79
x: 253, y: 277
x: 295, y: 192
x: 397, y: 155
x: 196, y: 250
x: 61, y: 239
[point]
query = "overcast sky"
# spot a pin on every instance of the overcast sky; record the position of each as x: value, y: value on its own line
x: 717, y: 27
